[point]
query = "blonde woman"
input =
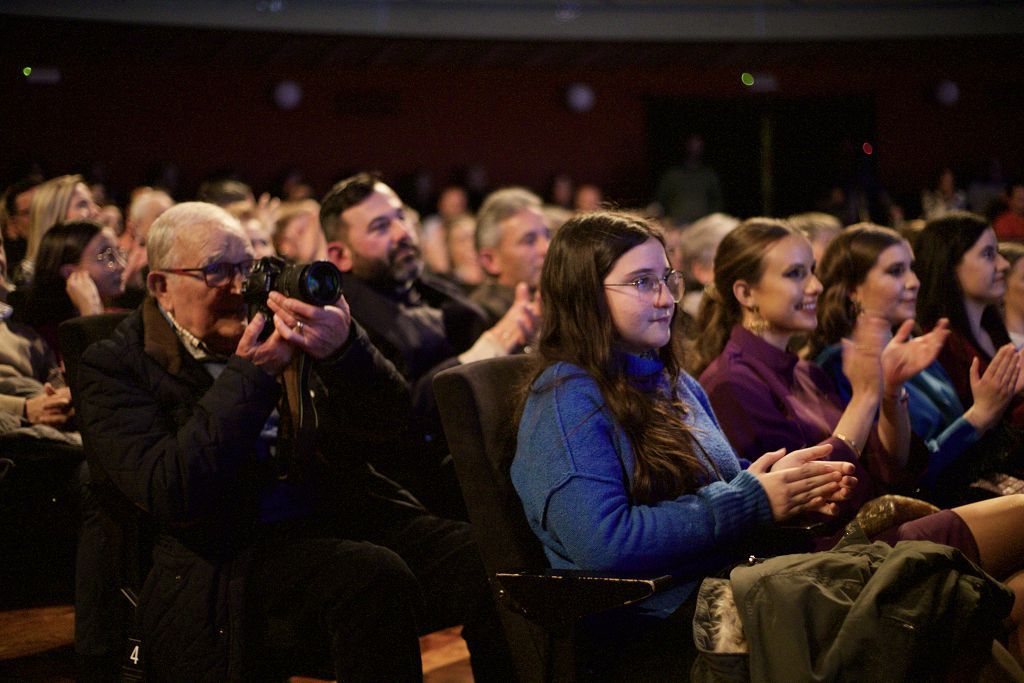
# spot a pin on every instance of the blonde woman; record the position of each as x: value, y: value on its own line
x: 61, y: 200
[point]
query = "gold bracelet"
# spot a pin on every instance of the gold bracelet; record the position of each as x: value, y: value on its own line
x: 902, y: 397
x: 848, y: 441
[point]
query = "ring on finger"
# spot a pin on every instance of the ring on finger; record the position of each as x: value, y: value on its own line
x: 299, y: 326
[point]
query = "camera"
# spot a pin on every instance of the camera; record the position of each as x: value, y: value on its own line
x: 317, y: 283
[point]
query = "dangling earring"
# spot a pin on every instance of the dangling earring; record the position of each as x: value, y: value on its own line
x: 855, y: 308
x: 756, y: 324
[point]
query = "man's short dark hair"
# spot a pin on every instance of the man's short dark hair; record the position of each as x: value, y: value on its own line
x: 223, y: 192
x: 20, y: 187
x: 349, y: 192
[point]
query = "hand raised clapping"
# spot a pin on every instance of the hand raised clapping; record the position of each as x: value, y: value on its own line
x: 902, y: 359
x: 992, y: 391
x: 518, y: 326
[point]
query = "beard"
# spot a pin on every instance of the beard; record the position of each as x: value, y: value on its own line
x: 402, y: 266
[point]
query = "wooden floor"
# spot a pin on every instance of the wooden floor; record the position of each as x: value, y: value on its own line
x: 35, y: 646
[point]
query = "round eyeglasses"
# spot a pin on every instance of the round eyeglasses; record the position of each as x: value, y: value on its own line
x: 112, y: 258
x: 649, y: 286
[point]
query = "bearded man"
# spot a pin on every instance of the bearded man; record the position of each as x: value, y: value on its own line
x: 421, y: 323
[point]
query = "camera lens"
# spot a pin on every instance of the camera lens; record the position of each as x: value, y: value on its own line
x: 320, y: 283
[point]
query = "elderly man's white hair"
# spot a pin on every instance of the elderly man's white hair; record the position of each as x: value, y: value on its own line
x: 700, y: 241
x: 498, y: 206
x: 187, y: 225
x: 142, y: 201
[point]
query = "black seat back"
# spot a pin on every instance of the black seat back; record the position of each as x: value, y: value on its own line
x: 132, y: 527
x: 77, y: 334
x: 477, y: 406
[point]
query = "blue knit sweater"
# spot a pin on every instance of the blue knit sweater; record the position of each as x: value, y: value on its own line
x: 571, y: 470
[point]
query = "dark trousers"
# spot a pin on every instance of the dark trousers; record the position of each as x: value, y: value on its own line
x: 350, y: 601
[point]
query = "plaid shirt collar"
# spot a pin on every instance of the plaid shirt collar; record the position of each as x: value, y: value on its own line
x: 195, y: 346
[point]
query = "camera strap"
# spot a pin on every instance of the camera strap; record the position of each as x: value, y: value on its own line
x: 297, y: 438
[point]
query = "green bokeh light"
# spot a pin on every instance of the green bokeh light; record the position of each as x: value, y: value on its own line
x: 27, y: 71
x: 747, y: 78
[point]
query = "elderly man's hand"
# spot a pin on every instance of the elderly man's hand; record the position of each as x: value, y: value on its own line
x: 317, y: 331
x: 271, y: 355
x: 518, y: 326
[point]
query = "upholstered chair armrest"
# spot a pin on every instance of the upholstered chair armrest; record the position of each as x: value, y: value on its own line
x: 555, y: 596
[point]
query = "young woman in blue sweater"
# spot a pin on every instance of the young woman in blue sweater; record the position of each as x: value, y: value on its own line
x: 620, y: 463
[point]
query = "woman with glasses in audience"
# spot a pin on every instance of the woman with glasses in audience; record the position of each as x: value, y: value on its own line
x: 78, y: 272
x: 620, y: 462
x: 869, y: 269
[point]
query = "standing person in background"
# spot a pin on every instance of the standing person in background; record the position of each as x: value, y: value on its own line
x: 560, y: 191
x: 691, y: 190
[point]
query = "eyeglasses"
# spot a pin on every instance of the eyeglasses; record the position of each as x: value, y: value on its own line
x: 112, y: 257
x: 215, y: 274
x: 649, y: 286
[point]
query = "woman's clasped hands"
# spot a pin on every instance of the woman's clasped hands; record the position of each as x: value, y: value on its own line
x: 803, y: 481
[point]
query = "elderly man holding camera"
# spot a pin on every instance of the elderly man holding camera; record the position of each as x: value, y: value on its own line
x: 269, y: 563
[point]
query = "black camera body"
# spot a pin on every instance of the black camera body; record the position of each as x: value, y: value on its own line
x: 317, y: 283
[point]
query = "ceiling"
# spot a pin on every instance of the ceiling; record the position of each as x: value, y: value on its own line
x: 585, y: 20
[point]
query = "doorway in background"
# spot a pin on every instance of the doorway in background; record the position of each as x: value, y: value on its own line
x: 774, y: 156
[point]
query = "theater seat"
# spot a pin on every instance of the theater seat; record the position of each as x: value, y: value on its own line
x: 115, y: 543
x: 539, y: 607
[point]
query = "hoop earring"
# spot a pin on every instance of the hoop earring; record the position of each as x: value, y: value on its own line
x: 757, y: 326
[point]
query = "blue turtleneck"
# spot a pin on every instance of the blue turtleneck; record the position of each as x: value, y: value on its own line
x: 572, y: 470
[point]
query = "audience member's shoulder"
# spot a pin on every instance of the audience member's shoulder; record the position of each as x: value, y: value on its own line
x: 563, y: 379
x: 830, y: 360
x: 727, y: 367
x: 690, y: 383
x: 436, y: 283
x: 128, y: 333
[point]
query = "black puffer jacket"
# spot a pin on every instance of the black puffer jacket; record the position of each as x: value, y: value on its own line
x: 181, y: 446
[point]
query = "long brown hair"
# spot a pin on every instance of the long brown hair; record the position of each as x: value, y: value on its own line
x: 849, y: 258
x: 577, y: 328
x: 739, y: 257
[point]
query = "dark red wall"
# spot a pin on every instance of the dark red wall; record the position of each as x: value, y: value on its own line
x: 123, y: 103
